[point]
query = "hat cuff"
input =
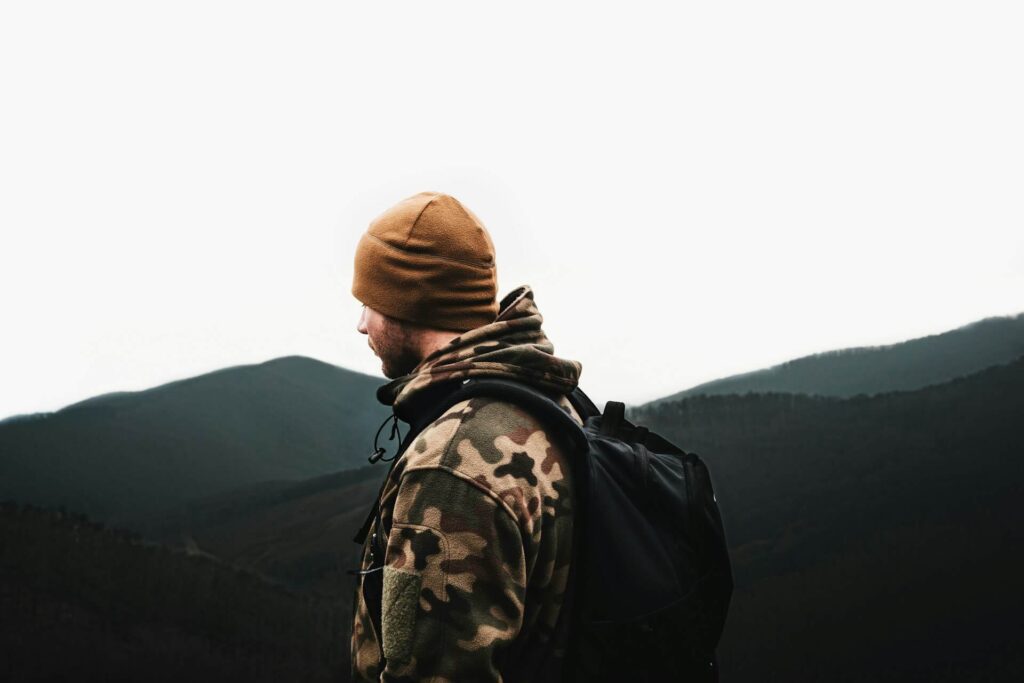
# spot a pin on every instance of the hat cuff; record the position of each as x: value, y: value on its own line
x: 433, y: 291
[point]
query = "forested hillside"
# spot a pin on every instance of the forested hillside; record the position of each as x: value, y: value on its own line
x: 904, y: 366
x: 873, y: 538
x: 80, y: 602
x: 127, y: 458
x: 300, y: 533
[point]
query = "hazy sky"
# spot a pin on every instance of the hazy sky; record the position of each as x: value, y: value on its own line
x: 691, y: 192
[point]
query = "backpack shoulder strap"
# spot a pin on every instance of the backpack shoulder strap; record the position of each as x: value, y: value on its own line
x: 583, y: 405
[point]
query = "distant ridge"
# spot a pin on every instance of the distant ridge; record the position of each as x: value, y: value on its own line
x: 124, y: 456
x: 294, y: 365
x: 871, y: 370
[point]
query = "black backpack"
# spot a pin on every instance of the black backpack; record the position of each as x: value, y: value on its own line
x: 650, y: 566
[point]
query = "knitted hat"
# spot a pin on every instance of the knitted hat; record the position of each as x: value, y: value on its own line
x: 428, y: 260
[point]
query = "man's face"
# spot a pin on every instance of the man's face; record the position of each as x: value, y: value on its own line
x: 391, y: 340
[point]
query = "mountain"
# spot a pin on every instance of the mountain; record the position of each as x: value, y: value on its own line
x: 872, y: 370
x: 128, y: 456
x: 873, y: 538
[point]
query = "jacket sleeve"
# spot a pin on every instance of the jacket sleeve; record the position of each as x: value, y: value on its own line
x: 454, y: 580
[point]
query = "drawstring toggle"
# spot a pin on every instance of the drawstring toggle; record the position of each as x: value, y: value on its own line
x: 379, y: 451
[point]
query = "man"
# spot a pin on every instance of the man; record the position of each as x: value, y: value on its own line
x: 475, y: 517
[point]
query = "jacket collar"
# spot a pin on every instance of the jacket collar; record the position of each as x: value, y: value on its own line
x: 513, y: 346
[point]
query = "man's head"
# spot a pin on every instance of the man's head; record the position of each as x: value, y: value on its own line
x: 425, y: 272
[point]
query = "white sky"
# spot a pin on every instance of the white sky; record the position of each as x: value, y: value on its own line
x: 692, y: 192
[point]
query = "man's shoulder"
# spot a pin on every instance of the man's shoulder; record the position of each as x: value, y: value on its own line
x: 493, y: 442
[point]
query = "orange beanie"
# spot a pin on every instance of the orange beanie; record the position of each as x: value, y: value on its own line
x: 428, y: 260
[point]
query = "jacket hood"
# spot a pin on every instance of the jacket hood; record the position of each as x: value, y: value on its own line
x: 513, y: 346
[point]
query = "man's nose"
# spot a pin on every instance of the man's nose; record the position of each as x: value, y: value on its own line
x: 361, y: 325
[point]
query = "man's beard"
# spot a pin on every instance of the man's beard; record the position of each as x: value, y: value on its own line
x: 394, y: 347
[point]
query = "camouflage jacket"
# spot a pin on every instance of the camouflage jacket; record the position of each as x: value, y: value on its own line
x: 476, y: 519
